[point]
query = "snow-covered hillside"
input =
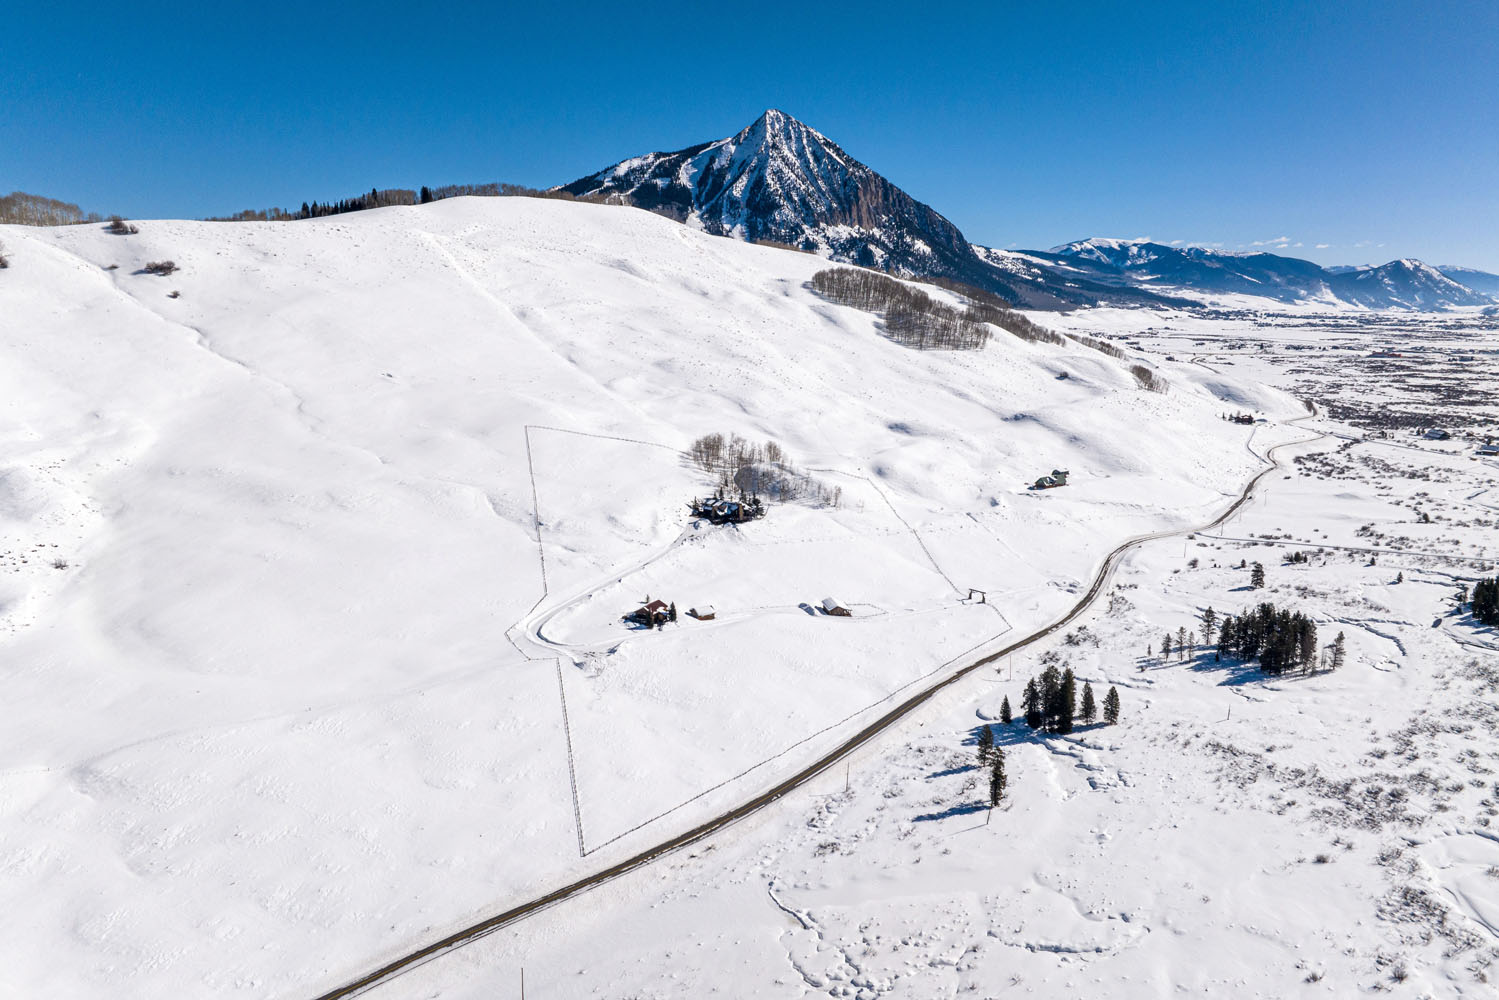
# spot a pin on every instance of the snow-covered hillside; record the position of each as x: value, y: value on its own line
x: 312, y: 573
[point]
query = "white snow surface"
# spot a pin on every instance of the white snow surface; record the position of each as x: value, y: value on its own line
x: 285, y: 682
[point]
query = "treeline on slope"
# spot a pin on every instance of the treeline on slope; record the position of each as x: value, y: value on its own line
x: 915, y: 319
x: 758, y: 470
x: 21, y: 209
x: 986, y: 307
x: 1149, y: 379
x: 912, y: 317
x: 1486, y: 601
x: 383, y: 198
x: 996, y: 310
x: 1278, y: 638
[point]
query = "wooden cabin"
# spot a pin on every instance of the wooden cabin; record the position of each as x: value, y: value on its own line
x: 650, y: 614
x: 832, y: 607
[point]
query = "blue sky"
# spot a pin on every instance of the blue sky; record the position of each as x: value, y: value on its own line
x: 1345, y: 133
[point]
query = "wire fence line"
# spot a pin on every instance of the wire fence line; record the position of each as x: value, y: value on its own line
x: 572, y: 771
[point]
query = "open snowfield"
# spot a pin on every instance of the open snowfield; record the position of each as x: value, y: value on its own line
x: 1330, y: 834
x: 302, y: 571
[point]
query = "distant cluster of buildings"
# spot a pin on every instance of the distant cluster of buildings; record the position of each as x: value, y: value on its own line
x: 1488, y: 449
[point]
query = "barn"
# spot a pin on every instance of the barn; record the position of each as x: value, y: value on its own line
x: 832, y: 607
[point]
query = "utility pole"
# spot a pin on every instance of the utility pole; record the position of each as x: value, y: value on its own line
x: 522, y: 982
x: 847, y: 768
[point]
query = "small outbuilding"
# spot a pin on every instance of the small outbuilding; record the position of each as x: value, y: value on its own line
x: 706, y: 613
x: 1437, y: 434
x: 1057, y: 478
x: 832, y: 607
x: 1488, y: 449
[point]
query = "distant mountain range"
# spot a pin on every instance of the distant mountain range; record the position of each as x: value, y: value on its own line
x: 781, y: 181
x: 1400, y: 284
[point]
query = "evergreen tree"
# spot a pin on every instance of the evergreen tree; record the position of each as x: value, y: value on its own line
x: 1257, y: 576
x: 1181, y: 642
x: 1228, y: 636
x: 1089, y: 710
x: 1485, y: 602
x: 1051, y: 698
x: 1066, y: 702
x: 671, y: 612
x: 1166, y: 648
x: 426, y: 198
x: 1306, y: 638
x: 997, y: 779
x: 986, y: 743
x: 1004, y: 711
x: 1111, y: 706
x: 1031, y: 702
x: 1339, y: 651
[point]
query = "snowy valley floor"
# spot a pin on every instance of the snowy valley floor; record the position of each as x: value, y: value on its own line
x: 1235, y: 834
x: 312, y: 562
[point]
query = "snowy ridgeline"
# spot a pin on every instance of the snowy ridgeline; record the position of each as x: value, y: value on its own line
x: 304, y: 544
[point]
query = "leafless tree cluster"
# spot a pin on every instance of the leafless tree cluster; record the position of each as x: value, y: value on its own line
x: 160, y: 267
x: 912, y: 317
x: 500, y: 190
x: 1112, y: 350
x: 777, y: 244
x: 120, y: 227
x: 22, y: 209
x: 255, y: 215
x: 759, y: 470
x: 1149, y: 379
x: 986, y: 307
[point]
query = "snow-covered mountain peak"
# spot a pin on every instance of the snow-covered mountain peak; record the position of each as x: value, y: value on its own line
x: 780, y: 180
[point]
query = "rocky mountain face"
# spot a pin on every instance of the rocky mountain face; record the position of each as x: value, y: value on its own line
x: 781, y: 181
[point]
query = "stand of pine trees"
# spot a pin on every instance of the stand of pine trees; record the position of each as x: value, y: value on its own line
x: 1278, y: 638
x: 1486, y: 601
x: 1051, y: 701
x: 375, y: 199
